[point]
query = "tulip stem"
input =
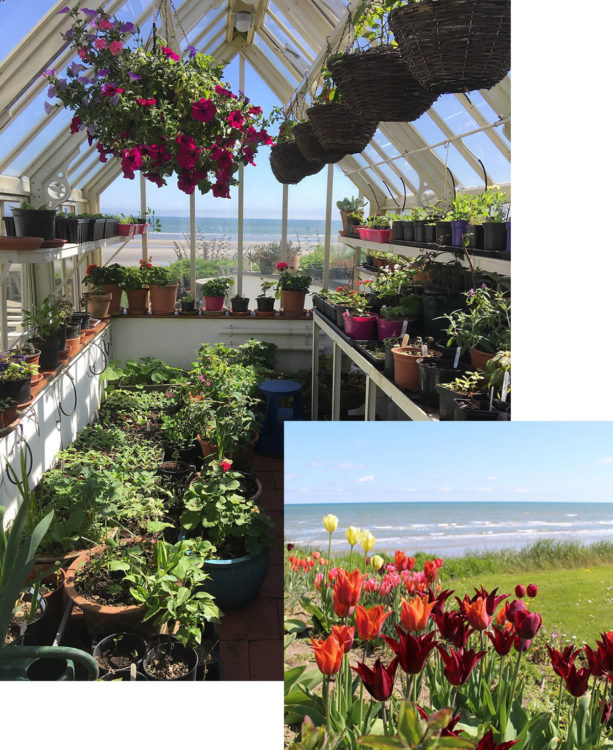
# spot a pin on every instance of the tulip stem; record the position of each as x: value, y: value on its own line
x: 326, y: 690
x: 384, y: 720
x: 570, y: 725
x: 407, y: 685
x: 515, y: 673
x: 362, y: 728
x: 559, y: 703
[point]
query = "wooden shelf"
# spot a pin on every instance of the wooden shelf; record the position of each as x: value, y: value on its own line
x: 501, y: 266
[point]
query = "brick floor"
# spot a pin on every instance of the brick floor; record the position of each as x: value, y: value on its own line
x: 251, y: 637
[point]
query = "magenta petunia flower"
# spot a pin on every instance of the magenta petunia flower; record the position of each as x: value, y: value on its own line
x: 145, y: 102
x: 169, y: 53
x: 104, y: 25
x: 236, y: 118
x: 116, y: 47
x: 203, y: 110
x: 75, y: 124
x: 49, y: 72
x: 109, y: 89
x: 82, y: 53
x: 156, y: 178
x: 221, y: 190
x: 98, y: 44
x: 224, y: 92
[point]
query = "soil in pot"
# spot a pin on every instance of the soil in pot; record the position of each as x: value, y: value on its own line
x: 119, y: 651
x: 171, y: 661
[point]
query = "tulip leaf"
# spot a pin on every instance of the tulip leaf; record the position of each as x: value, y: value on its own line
x: 375, y: 741
x: 293, y: 675
x: 409, y: 725
x: 295, y: 625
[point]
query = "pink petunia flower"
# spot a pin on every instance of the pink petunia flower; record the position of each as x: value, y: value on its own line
x: 99, y: 44
x: 116, y: 47
x: 169, y: 53
x: 203, y: 110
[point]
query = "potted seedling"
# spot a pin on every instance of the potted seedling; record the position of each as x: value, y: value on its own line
x: 494, y: 404
x: 214, y: 292
x: 495, y: 226
x: 8, y: 410
x: 266, y: 304
x: 34, y: 222
x: 391, y: 321
x: 347, y: 207
x: 466, y: 385
x: 188, y: 303
x: 46, y: 323
x: 240, y: 305
x: 359, y: 323
x: 107, y: 278
x: 28, y: 351
x: 406, y: 374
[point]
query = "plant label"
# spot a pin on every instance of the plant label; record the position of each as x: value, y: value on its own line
x: 424, y: 350
x: 405, y: 325
x: 505, y: 387
x: 456, y: 360
x: 405, y: 340
x: 491, y: 397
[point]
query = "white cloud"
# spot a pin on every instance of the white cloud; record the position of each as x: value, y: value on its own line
x: 522, y: 490
x: 483, y: 489
x: 607, y: 460
x: 491, y: 479
x: 303, y: 490
x: 444, y: 489
x: 367, y: 478
x: 317, y: 464
x: 289, y: 477
x: 348, y: 466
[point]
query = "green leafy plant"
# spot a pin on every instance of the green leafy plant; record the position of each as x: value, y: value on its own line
x: 47, y: 318
x: 147, y: 371
x: 484, y: 324
x: 216, y: 287
x: 291, y: 281
x: 131, y: 279
x: 351, y: 205
x: 98, y: 275
x: 11, y: 370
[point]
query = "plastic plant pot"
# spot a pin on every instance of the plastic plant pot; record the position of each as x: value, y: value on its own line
x: 49, y: 353
x: 120, y: 646
x: 360, y: 327
x: 388, y: 328
x: 479, y: 359
x: 432, y: 371
x: 18, y: 390
x: 406, y: 374
x: 163, y: 298
x: 126, y: 230
x: 443, y: 232
x: 214, y: 304
x: 494, y: 236
x: 409, y: 231
x: 34, y: 223
x: 458, y: 228
x: 234, y: 583
x: 172, y: 648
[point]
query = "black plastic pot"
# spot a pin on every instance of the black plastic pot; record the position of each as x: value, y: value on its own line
x: 240, y: 304
x: 83, y: 317
x: 398, y: 230
x: 409, y: 231
x: 18, y: 390
x: 419, y: 231
x: 188, y: 305
x: 429, y: 233
x: 432, y: 371
x: 176, y: 471
x: 476, y: 410
x: 495, y: 236
x: 265, y: 304
x: 49, y: 353
x: 61, y: 335
x: 95, y: 229
x: 436, y: 305
x: 34, y: 223
x: 443, y: 232
x: 446, y: 402
x: 388, y: 367
x: 72, y: 330
x: 121, y: 644
x: 474, y: 232
x: 175, y: 648
x: 111, y: 227
x: 9, y: 226
x: 75, y: 230
x: 123, y: 675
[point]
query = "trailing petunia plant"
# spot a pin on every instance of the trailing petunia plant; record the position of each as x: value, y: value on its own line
x: 159, y: 113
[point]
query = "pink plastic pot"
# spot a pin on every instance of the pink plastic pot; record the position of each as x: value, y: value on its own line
x: 360, y: 327
x: 379, y: 235
x: 388, y: 328
x: 126, y: 230
x: 214, y: 304
x: 362, y: 232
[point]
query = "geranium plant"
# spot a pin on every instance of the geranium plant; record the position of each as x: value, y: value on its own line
x: 158, y: 113
x: 290, y: 280
x: 216, y: 287
x: 99, y: 275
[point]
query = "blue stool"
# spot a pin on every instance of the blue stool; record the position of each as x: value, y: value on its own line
x: 271, y: 436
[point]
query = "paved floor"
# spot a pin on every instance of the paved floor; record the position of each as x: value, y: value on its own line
x: 251, y: 638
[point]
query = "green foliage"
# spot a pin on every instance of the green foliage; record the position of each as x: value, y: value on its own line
x: 292, y: 281
x: 99, y: 275
x: 131, y: 278
x: 12, y: 370
x: 147, y: 371
x: 485, y: 324
x: 350, y: 205
x: 48, y: 317
x: 216, y: 287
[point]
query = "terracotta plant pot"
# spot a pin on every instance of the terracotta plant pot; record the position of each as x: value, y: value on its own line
x: 73, y: 346
x: 115, y: 291
x: 163, y: 298
x: 100, y: 617
x: 206, y: 447
x: 137, y: 301
x: 292, y: 302
x: 479, y: 359
x: 98, y: 305
x: 214, y: 304
x: 406, y: 372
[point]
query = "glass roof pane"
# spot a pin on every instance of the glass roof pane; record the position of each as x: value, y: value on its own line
x: 464, y: 174
x: 19, y: 22
x: 498, y: 168
x: 456, y: 117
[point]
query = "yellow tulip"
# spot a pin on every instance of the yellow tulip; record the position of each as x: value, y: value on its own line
x: 330, y: 523
x: 352, y: 535
x: 377, y: 562
x: 367, y: 541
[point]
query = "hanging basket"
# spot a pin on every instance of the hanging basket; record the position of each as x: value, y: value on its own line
x: 336, y: 126
x: 311, y: 148
x: 289, y: 165
x: 393, y: 93
x: 455, y: 45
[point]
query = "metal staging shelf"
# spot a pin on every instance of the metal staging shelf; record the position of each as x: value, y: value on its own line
x: 493, y: 265
x: 374, y: 378
x: 49, y: 255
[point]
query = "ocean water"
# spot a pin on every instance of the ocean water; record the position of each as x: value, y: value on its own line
x: 450, y: 528
x: 255, y: 230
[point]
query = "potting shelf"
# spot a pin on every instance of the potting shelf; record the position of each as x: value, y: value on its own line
x: 374, y: 377
x: 501, y: 266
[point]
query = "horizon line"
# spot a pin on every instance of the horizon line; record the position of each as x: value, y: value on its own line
x: 382, y: 502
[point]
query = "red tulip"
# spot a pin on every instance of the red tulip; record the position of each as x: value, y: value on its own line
x: 502, y: 640
x: 459, y: 664
x: 605, y: 651
x: 452, y: 628
x: 514, y: 607
x: 527, y: 624
x: 487, y: 743
x: 576, y: 680
x: 328, y: 655
x: 379, y: 681
x: 370, y: 621
x: 561, y: 661
x: 522, y: 644
x: 532, y: 590
x: 520, y: 591
x: 344, y: 635
x: 410, y: 651
x: 439, y: 600
x: 593, y: 660
x: 347, y: 590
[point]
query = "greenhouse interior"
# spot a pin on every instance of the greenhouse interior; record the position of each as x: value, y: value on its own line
x: 216, y: 217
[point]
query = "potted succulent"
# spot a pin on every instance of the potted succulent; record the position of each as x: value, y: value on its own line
x: 237, y: 529
x: 483, y: 328
x: 107, y: 278
x: 162, y: 291
x: 214, y: 292
x: 34, y: 222
x: 349, y: 206
x: 266, y: 305
x: 240, y: 305
x: 291, y: 288
x: 132, y: 284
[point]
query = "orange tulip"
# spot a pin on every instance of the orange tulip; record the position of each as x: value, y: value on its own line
x: 415, y: 613
x: 369, y: 621
x: 347, y: 590
x: 344, y: 635
x: 476, y: 614
x: 328, y: 654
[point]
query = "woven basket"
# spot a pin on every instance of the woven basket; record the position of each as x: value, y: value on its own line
x: 289, y: 165
x: 337, y: 127
x: 393, y: 94
x: 455, y: 45
x: 311, y: 148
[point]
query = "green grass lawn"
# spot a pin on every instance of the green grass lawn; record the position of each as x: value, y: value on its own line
x: 572, y: 602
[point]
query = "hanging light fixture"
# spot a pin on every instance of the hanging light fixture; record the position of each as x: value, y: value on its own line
x: 243, y: 21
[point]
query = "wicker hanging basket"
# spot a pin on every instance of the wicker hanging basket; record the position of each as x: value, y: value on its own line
x: 289, y: 165
x: 336, y: 126
x: 311, y: 148
x: 393, y: 93
x: 455, y: 45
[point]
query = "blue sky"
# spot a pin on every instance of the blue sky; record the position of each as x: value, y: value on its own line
x: 448, y: 461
